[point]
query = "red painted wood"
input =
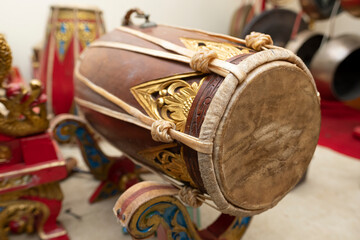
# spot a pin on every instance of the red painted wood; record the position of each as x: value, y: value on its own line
x: 37, y: 156
x: 38, y: 149
x: 62, y: 81
x: 217, y: 228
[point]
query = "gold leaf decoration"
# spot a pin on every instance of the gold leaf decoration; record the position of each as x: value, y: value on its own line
x: 168, y: 98
x: 63, y: 35
x: 169, y: 159
x: 5, y: 59
x: 87, y: 33
x: 223, y: 50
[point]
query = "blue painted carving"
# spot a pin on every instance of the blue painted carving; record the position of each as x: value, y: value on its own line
x: 172, y: 216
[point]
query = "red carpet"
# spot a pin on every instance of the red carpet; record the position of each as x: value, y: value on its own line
x: 337, y: 128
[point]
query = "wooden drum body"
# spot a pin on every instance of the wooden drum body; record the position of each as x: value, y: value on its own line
x: 262, y: 129
x: 69, y: 30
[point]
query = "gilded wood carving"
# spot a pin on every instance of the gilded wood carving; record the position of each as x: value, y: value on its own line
x: 168, y: 98
x: 224, y: 50
x: 25, y: 110
x: 169, y: 158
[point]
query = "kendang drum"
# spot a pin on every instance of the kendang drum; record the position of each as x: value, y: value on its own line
x: 239, y: 124
x: 69, y: 30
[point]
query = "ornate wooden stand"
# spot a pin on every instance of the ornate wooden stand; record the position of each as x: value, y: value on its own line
x: 30, y: 162
x: 115, y: 173
x: 150, y: 207
x: 33, y: 210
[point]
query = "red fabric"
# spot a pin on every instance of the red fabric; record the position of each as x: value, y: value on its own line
x: 337, y: 128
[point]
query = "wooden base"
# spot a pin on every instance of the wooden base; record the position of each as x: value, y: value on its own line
x: 32, y: 210
x: 115, y: 173
x: 148, y: 208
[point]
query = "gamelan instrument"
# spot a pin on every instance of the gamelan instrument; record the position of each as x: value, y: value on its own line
x: 318, y: 9
x: 335, y: 68
x: 69, y: 30
x: 31, y: 165
x: 305, y: 45
x: 239, y: 124
x: 281, y: 24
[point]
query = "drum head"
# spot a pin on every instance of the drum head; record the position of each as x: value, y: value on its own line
x: 267, y: 136
x: 278, y: 23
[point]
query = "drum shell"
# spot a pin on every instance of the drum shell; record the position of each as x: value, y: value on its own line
x: 130, y: 76
x: 69, y: 30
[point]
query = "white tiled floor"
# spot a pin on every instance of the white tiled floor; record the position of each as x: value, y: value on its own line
x: 326, y: 206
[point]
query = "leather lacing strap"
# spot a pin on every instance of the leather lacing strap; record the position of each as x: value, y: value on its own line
x: 201, y: 59
x: 160, y: 131
x: 191, y: 196
x: 258, y: 41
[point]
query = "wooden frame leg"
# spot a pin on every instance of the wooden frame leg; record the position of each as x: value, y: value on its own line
x: 148, y: 207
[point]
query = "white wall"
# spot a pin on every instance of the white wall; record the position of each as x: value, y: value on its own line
x: 23, y: 21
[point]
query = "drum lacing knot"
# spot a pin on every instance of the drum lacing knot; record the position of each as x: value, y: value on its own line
x: 201, y: 59
x: 256, y: 40
x: 191, y: 196
x: 160, y: 131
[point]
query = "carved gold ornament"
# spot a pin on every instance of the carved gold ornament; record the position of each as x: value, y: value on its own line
x: 169, y: 159
x: 69, y: 14
x: 5, y: 59
x: 63, y: 35
x: 23, y: 110
x: 224, y: 50
x: 26, y: 110
x: 168, y: 98
x: 68, y: 19
x: 28, y: 214
x: 18, y: 181
x: 87, y: 33
x: 48, y: 191
x: 5, y: 154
